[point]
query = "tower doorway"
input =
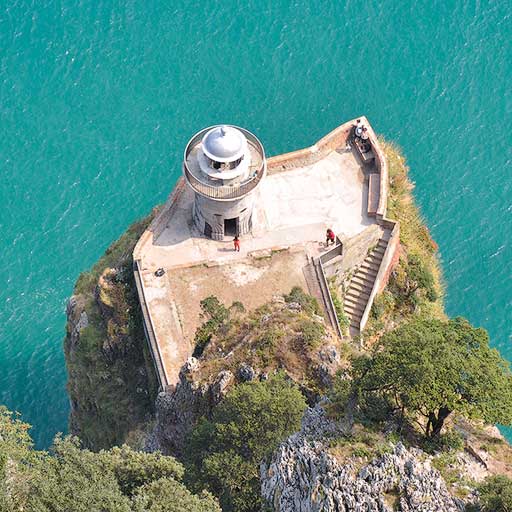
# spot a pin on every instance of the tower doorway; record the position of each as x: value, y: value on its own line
x: 231, y: 227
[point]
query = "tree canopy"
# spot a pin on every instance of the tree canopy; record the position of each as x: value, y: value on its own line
x: 433, y: 368
x: 248, y: 425
x: 69, y: 478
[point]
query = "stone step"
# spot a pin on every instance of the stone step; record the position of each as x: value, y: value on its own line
x: 313, y: 284
x: 363, y: 280
x: 358, y: 297
x: 355, y: 306
x: 366, y: 287
x: 369, y: 266
x: 354, y: 316
x: 375, y: 259
x: 357, y: 290
x: 375, y: 255
x: 367, y: 269
x: 354, y: 299
x: 378, y: 252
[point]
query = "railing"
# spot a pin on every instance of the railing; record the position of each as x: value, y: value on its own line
x: 326, y: 293
x: 225, y: 192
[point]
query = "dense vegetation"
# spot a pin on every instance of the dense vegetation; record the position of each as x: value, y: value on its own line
x: 69, y: 478
x: 225, y: 452
x: 111, y: 380
x: 415, y: 286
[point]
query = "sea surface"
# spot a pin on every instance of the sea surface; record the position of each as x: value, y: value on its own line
x: 98, y: 99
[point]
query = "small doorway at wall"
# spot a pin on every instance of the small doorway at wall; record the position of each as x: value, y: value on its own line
x: 231, y: 227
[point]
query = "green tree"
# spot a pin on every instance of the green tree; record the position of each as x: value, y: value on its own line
x: 247, y: 426
x: 77, y: 480
x: 167, y: 495
x: 69, y: 478
x: 134, y: 469
x: 433, y: 368
x: 496, y: 494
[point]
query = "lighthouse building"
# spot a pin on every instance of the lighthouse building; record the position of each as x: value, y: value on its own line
x: 224, y: 165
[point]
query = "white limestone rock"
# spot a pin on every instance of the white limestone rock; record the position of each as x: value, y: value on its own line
x: 303, y: 477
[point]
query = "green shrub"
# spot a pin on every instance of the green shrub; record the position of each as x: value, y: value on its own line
x: 496, y: 494
x: 450, y: 441
x: 312, y: 333
x: 217, y: 315
x: 309, y: 304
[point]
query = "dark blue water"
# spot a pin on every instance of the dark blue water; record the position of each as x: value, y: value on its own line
x: 97, y: 102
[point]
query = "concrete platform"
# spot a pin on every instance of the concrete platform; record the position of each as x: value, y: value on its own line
x: 294, y: 207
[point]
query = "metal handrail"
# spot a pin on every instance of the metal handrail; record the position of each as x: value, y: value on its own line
x: 224, y: 192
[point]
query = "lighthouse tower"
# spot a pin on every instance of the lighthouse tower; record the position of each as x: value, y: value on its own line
x: 224, y: 165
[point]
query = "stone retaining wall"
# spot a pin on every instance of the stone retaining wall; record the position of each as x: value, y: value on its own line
x: 308, y: 156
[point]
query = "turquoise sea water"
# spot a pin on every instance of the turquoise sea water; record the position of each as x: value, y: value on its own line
x: 97, y: 100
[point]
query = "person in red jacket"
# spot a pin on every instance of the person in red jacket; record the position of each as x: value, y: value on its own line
x: 236, y: 243
x: 330, y: 237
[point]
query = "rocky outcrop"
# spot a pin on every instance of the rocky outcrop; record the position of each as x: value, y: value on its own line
x: 77, y: 319
x: 177, y: 411
x: 303, y: 477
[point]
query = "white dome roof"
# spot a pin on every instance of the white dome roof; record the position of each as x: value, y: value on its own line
x: 224, y: 144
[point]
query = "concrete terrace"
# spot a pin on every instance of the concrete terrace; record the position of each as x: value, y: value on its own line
x: 292, y: 207
x: 304, y: 193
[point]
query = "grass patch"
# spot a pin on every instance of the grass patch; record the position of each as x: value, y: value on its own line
x: 364, y: 444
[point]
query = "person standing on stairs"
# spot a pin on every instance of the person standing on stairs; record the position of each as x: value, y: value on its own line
x: 236, y: 243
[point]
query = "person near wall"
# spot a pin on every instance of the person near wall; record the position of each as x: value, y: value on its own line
x: 330, y: 237
x: 358, y: 128
x: 236, y: 243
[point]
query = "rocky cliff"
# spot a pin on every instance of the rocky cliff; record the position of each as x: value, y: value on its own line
x: 111, y: 381
x: 303, y: 476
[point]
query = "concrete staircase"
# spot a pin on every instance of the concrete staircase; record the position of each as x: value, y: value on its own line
x: 361, y: 285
